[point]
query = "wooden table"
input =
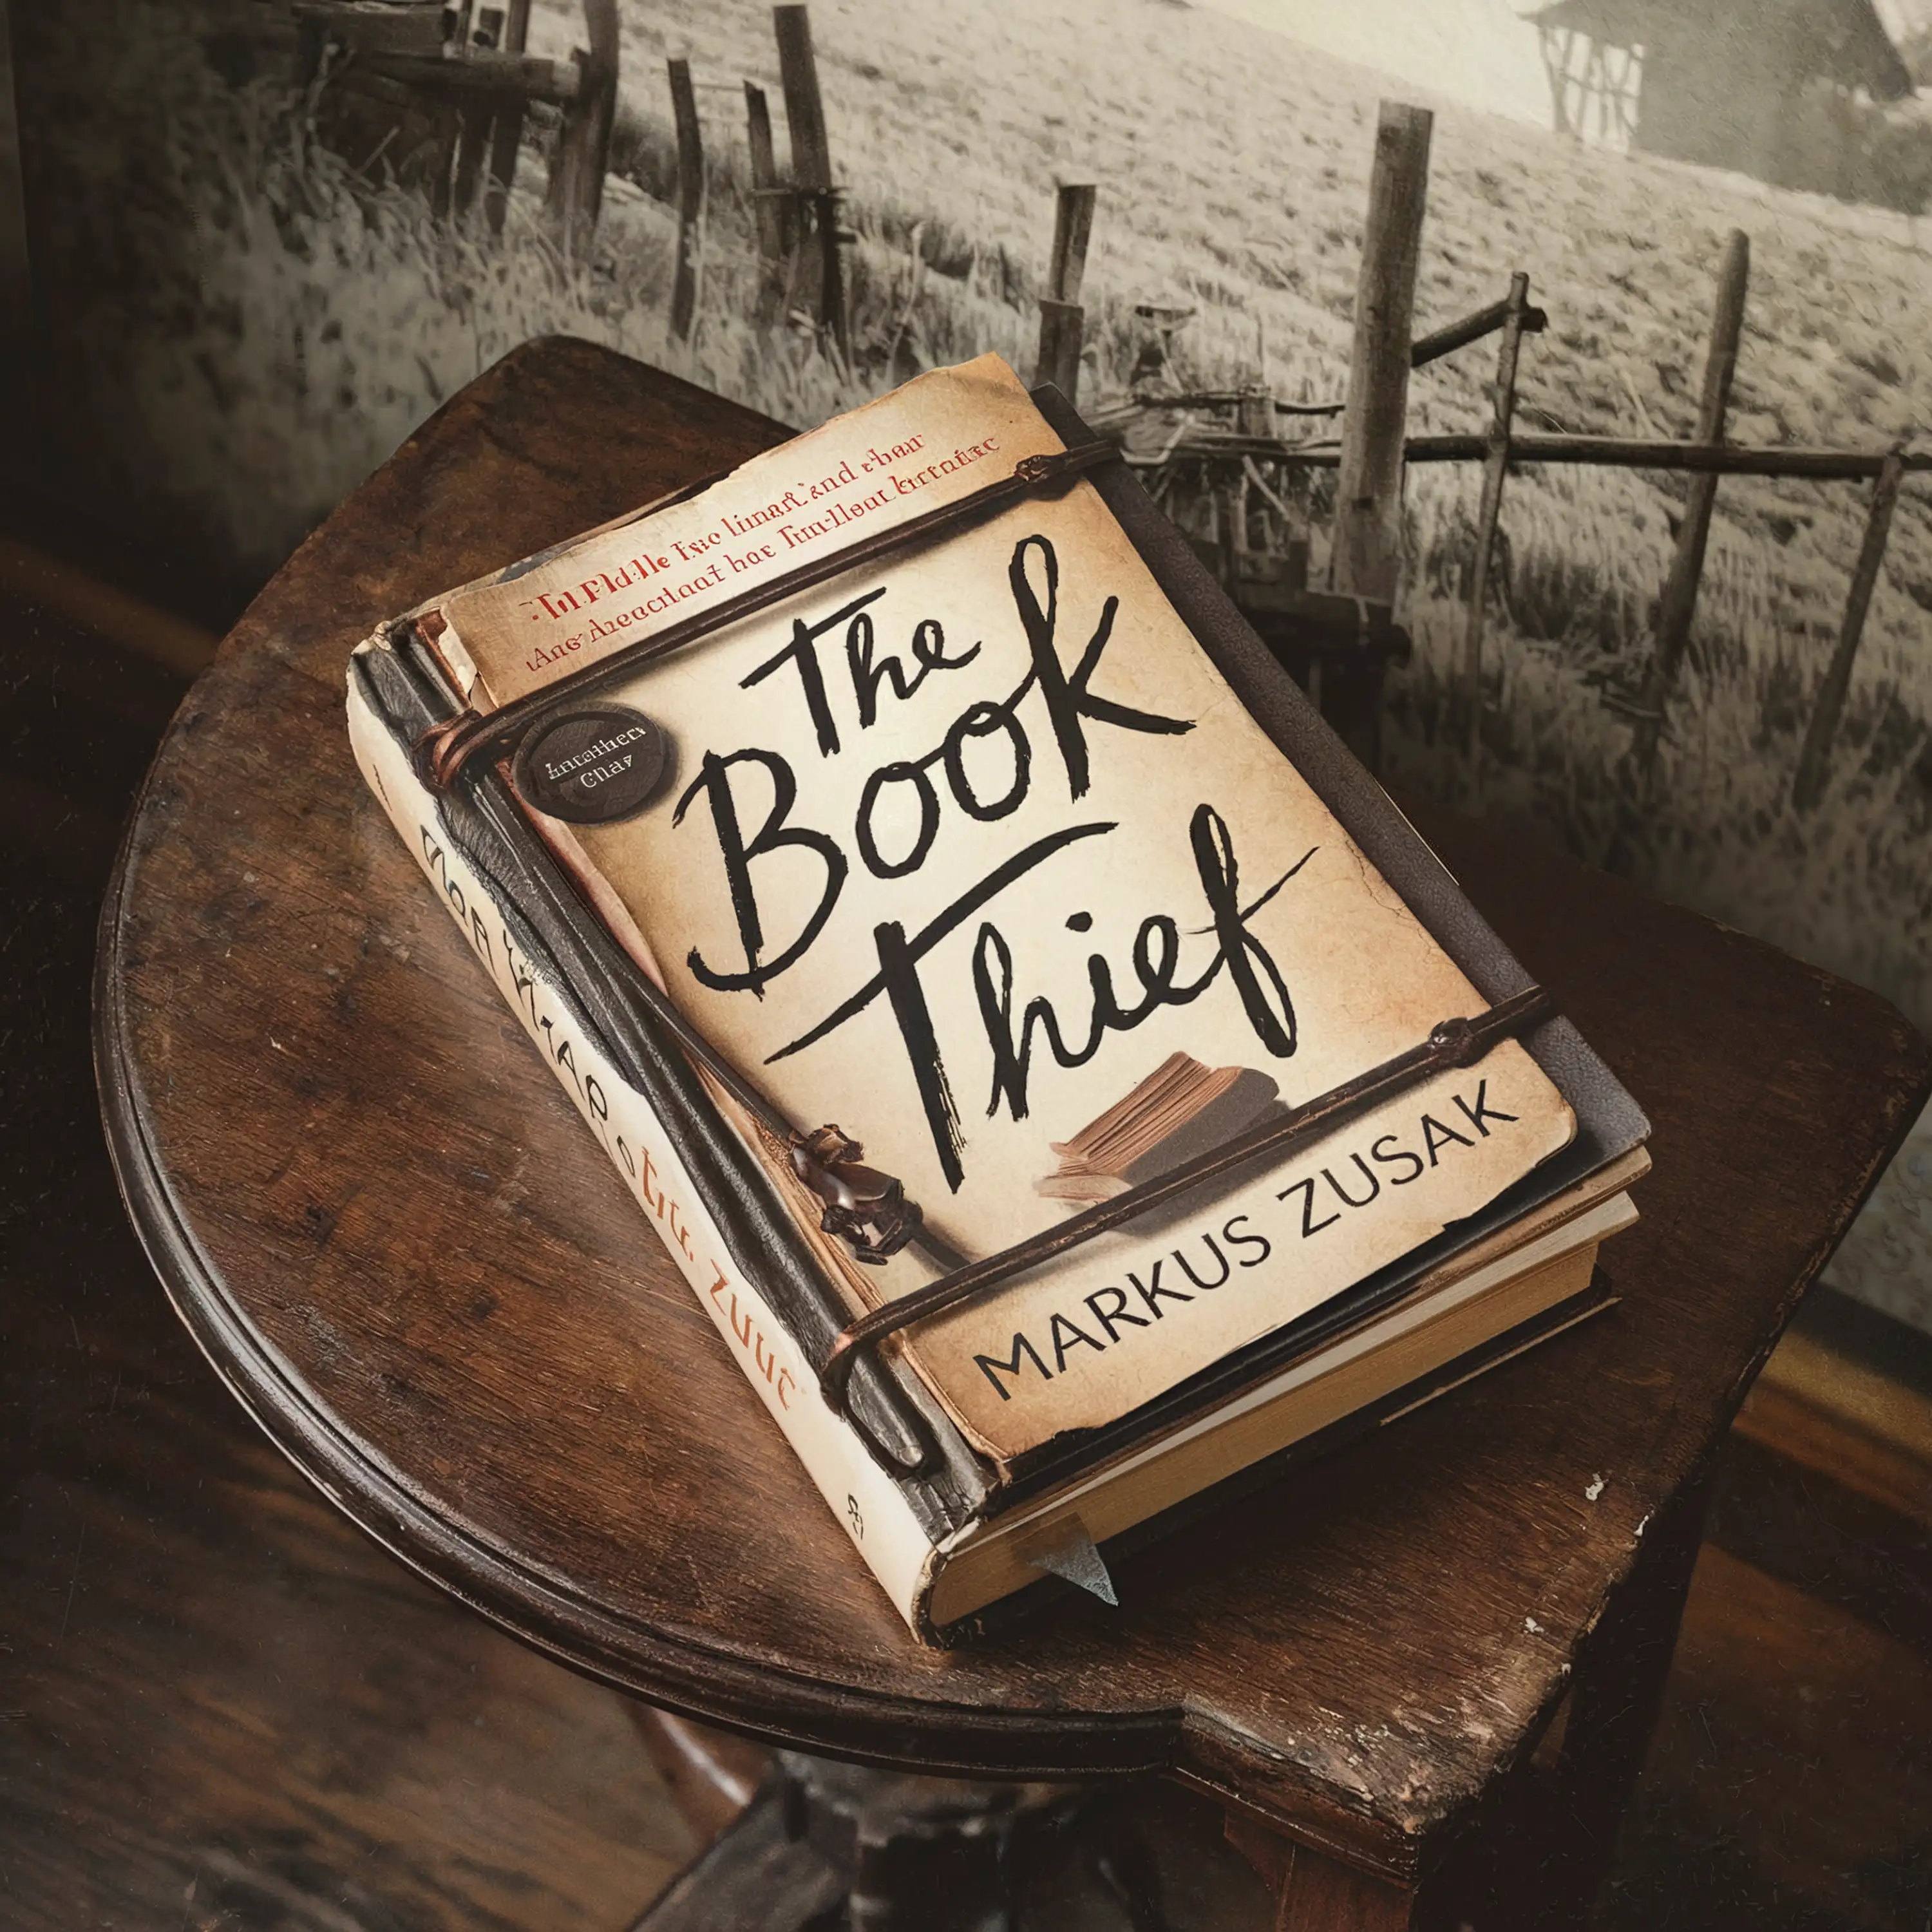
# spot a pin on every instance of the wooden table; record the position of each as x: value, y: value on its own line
x: 394, y: 1240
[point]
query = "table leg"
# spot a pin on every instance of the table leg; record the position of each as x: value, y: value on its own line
x: 793, y: 1840
x: 1315, y: 1893
x: 755, y: 1876
x: 1541, y: 1846
x: 712, y: 1776
x: 1619, y: 1688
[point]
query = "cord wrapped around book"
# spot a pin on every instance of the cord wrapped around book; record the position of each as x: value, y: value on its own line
x: 444, y: 752
x: 1455, y: 1042
x: 864, y: 1207
x: 780, y: 844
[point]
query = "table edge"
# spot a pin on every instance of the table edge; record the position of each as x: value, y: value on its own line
x: 709, y: 1684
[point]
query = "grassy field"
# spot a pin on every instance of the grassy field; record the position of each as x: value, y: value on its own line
x: 318, y: 317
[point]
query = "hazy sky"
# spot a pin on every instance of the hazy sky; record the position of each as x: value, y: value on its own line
x: 1481, y: 52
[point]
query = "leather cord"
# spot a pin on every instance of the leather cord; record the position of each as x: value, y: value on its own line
x: 1454, y: 1043
x: 444, y: 751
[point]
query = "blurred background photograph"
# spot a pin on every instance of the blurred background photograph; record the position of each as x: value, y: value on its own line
x: 271, y: 236
x: 251, y: 245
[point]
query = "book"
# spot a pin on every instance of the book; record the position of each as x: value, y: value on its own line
x: 1181, y: 1109
x: 1064, y: 1075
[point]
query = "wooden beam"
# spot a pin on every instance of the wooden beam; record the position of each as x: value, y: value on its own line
x: 1814, y: 761
x: 576, y: 192
x: 1428, y: 349
x: 811, y: 163
x: 1063, y: 321
x: 690, y: 200
x: 805, y: 107
x: 1367, y: 557
x: 1495, y: 468
x: 1678, y: 604
x: 1072, y: 228
x: 767, y: 211
x: 507, y: 141
x: 478, y: 115
x: 482, y: 71
x: 1612, y: 452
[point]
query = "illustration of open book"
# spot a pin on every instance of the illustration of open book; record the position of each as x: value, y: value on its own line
x: 1180, y: 1111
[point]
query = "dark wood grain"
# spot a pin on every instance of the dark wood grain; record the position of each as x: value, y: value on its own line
x: 221, y: 1706
x: 393, y: 1238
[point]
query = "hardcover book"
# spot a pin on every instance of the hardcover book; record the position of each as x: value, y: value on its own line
x: 1064, y: 1074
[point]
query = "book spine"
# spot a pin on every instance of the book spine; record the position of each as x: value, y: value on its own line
x: 866, y: 1502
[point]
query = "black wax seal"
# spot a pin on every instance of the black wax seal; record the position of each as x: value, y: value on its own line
x: 593, y: 764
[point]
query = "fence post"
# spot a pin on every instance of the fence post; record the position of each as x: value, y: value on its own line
x: 1062, y: 319
x: 811, y: 162
x: 473, y: 146
x: 1367, y: 557
x: 1814, y: 760
x: 1496, y: 467
x: 1678, y: 604
x: 767, y: 204
x: 576, y: 192
x: 690, y: 200
x: 508, y: 139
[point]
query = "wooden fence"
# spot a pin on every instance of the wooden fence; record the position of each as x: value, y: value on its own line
x: 797, y: 219
x: 470, y: 63
x: 1374, y: 451
x: 458, y: 83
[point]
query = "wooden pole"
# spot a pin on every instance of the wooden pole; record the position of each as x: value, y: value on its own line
x: 1472, y: 328
x: 1678, y: 604
x: 1063, y: 321
x: 576, y: 192
x: 804, y: 108
x: 811, y: 163
x: 690, y: 200
x: 1495, y: 468
x: 767, y: 209
x: 507, y: 143
x: 1814, y: 760
x: 1072, y: 228
x: 474, y: 146
x: 452, y: 120
x: 1367, y: 557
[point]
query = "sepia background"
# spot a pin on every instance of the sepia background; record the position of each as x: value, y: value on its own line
x: 257, y: 265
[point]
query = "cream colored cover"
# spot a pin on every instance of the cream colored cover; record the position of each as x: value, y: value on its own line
x: 959, y: 847
x: 868, y: 1505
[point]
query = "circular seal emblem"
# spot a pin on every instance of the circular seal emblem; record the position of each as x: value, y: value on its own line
x: 593, y: 764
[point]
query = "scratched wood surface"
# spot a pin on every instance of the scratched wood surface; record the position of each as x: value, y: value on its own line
x: 384, y: 1225
x: 221, y: 1706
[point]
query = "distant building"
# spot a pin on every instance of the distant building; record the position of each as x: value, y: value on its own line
x: 1725, y: 83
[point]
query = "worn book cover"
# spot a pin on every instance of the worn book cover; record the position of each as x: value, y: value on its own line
x: 1006, y: 850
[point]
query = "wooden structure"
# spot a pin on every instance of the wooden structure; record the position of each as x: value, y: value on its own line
x: 1714, y: 83
x: 331, y: 1136
x: 1814, y: 760
x: 1677, y: 605
x: 1221, y: 466
x: 690, y: 199
x: 1217, y: 461
x: 438, y: 96
x: 1062, y: 319
x: 1365, y: 558
x: 1593, y: 87
x: 817, y: 280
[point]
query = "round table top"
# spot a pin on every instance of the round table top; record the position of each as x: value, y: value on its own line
x: 392, y: 1236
